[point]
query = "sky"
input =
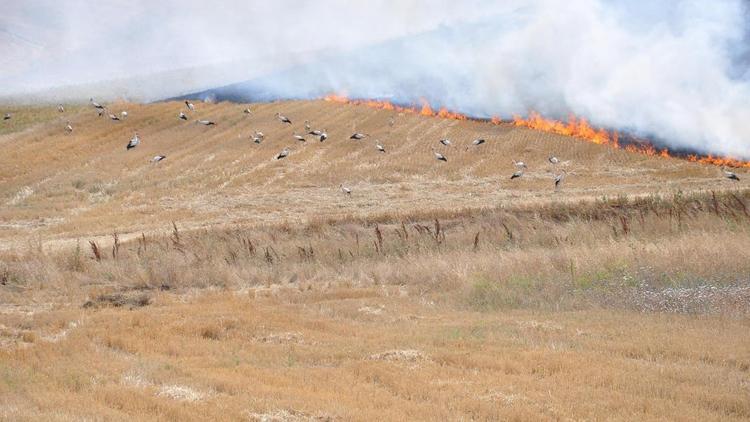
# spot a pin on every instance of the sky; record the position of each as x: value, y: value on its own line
x: 673, y: 70
x: 52, y: 43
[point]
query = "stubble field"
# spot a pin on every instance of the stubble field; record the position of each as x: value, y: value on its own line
x: 223, y: 284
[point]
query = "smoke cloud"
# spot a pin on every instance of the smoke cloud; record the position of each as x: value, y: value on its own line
x: 673, y: 71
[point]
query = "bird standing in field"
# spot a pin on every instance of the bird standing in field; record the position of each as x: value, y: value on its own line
x: 114, y: 117
x: 558, y: 179
x: 158, y: 158
x: 189, y: 105
x: 134, y: 142
x: 247, y: 111
x: 323, y: 136
x: 439, y: 156
x: 95, y: 104
x: 346, y: 190
x: 477, y: 142
x: 258, y: 137
x: 60, y: 108
x: 307, y: 125
x: 446, y: 142
x: 358, y: 136
x: 124, y: 114
x: 516, y: 174
x: 7, y: 116
x: 69, y: 128
x: 206, y: 122
x: 183, y: 116
x: 283, y: 119
x: 730, y: 175
x: 315, y: 132
x: 520, y: 164
x: 380, y: 147
x: 283, y: 154
x: 299, y: 138
x: 553, y: 160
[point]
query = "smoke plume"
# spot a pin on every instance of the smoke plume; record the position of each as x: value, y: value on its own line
x: 673, y: 71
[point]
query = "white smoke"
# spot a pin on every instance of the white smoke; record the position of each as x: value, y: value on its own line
x: 50, y: 43
x: 676, y: 71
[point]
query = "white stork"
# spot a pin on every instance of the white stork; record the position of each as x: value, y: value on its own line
x: 69, y: 128
x: 134, y: 141
x: 299, y: 138
x: 730, y: 175
x: 520, y: 164
x: 446, y: 142
x: 380, y: 147
x: 60, y: 108
x: 323, y: 136
x: 124, y: 114
x: 346, y: 190
x: 283, y: 154
x: 95, y: 104
x: 559, y: 178
x: 206, y: 122
x: 315, y: 132
x: 478, y: 142
x: 358, y: 136
x: 183, y: 116
x: 189, y: 105
x: 114, y: 117
x: 517, y: 174
x: 283, y: 119
x: 307, y: 125
x: 7, y: 116
x: 158, y: 158
x: 552, y: 159
x: 439, y: 156
x: 247, y: 111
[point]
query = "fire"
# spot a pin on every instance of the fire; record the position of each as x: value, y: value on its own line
x: 575, y: 127
x: 424, y: 110
x: 718, y: 161
x: 336, y: 98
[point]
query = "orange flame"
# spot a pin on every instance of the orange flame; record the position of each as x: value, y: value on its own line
x: 424, y: 110
x: 575, y: 127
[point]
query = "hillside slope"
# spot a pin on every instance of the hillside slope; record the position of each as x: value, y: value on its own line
x: 435, y: 291
x: 62, y: 186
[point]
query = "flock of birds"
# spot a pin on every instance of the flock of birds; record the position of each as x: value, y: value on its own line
x: 322, y: 135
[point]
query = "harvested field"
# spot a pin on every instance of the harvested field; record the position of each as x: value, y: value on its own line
x: 222, y: 284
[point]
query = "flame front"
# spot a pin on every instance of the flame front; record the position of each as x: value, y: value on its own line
x: 424, y: 110
x: 575, y: 127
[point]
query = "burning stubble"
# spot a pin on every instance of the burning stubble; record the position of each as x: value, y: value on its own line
x: 668, y: 71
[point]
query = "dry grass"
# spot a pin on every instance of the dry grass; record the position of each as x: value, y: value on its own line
x: 263, y: 293
x: 58, y: 187
x: 541, y: 256
x: 209, y: 356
